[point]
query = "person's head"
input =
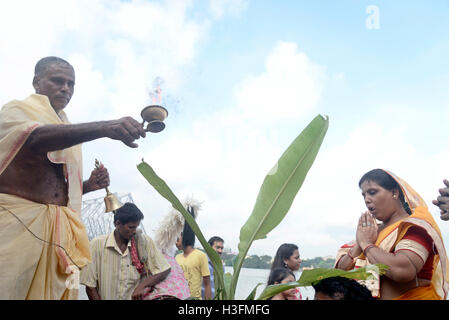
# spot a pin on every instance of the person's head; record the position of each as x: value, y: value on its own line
x: 126, y: 220
x: 55, y: 78
x: 341, y: 288
x: 280, y: 276
x: 188, y: 236
x: 382, y: 194
x: 217, y: 244
x: 287, y: 256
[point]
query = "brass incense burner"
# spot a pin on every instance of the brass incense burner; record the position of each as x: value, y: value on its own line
x: 155, y: 116
x: 111, y: 201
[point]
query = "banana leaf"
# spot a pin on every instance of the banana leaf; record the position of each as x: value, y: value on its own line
x: 313, y: 276
x: 150, y: 175
x: 310, y: 277
x: 220, y: 293
x: 274, y: 289
x: 252, y: 295
x: 279, y: 189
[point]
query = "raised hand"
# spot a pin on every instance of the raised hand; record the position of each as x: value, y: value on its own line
x: 126, y: 130
x: 367, y: 230
x: 99, y: 179
x: 443, y: 201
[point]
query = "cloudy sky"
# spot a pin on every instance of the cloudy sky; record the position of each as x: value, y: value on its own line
x: 241, y: 79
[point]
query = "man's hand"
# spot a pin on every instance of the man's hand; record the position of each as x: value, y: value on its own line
x: 443, y: 201
x: 99, y: 179
x: 126, y: 130
x: 138, y: 292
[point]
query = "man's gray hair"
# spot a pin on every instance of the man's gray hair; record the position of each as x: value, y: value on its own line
x: 43, y: 64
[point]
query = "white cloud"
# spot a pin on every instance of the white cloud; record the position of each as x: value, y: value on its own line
x: 220, y: 8
x: 27, y: 35
x: 290, y: 86
x: 222, y: 159
x: 125, y: 45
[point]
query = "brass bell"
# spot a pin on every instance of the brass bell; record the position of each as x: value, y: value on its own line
x: 155, y: 116
x: 111, y: 201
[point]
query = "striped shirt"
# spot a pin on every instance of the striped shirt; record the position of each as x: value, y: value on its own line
x: 112, y: 271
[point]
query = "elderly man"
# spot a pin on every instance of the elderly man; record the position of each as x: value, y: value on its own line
x: 442, y: 201
x: 43, y: 242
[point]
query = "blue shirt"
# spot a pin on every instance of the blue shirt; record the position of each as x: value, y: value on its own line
x: 212, y: 283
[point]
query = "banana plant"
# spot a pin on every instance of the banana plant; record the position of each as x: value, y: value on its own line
x: 273, y: 202
x: 279, y: 189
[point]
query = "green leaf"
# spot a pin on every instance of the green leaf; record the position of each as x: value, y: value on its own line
x: 310, y: 277
x: 227, y: 281
x: 313, y: 276
x: 150, y: 175
x: 252, y: 295
x: 274, y: 289
x: 279, y: 189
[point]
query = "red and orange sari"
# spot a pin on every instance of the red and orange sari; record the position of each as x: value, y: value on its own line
x: 389, y: 237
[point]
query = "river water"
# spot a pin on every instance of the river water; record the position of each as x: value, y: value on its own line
x: 248, y: 280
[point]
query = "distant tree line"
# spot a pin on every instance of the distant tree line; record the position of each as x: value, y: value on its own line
x: 264, y: 262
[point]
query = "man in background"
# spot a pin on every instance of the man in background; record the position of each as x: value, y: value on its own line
x: 124, y: 262
x: 217, y: 244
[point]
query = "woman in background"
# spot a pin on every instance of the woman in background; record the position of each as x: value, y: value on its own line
x: 287, y: 257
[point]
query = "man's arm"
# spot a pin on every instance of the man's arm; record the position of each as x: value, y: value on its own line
x: 53, y: 137
x: 149, y: 281
x: 92, y: 293
x: 207, y: 289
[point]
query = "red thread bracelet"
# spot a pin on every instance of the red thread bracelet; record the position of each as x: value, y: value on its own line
x: 367, y: 248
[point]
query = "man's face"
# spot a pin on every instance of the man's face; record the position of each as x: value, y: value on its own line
x: 127, y: 230
x: 218, y: 246
x: 57, y: 84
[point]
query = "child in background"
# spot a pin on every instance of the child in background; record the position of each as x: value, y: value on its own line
x: 280, y: 276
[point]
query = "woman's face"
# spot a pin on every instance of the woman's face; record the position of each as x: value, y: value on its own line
x: 294, y: 261
x: 380, y: 202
